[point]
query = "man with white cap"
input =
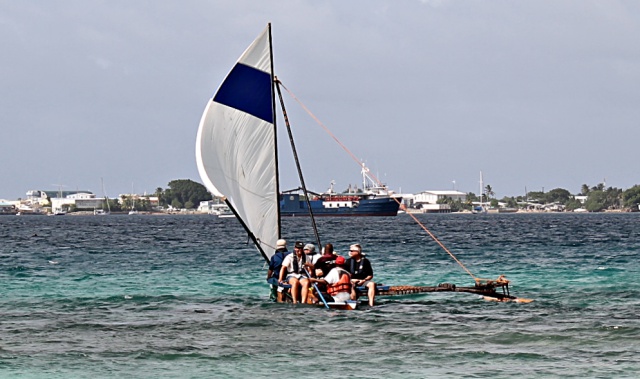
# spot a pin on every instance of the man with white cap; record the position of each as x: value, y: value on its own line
x: 310, y: 252
x: 361, y: 273
x: 275, y: 264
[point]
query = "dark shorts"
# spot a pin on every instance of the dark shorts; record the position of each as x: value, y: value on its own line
x: 362, y: 290
x: 366, y: 283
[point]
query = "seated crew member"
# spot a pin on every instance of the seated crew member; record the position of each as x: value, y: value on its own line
x: 312, y: 257
x: 293, y: 272
x: 310, y: 251
x: 338, y: 281
x: 326, y: 262
x: 361, y: 273
x: 275, y: 264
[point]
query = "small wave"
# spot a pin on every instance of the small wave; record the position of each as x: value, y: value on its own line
x: 87, y: 277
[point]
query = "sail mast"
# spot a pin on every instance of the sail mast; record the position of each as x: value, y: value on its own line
x: 275, y: 131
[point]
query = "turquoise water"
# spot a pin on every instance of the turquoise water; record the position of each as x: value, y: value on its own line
x: 185, y: 297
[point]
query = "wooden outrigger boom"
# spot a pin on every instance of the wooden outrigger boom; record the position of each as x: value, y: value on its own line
x: 493, y: 290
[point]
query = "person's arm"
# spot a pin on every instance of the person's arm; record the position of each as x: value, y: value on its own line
x: 282, y: 273
x: 318, y: 280
x: 309, y: 262
x: 270, y: 270
x: 367, y: 268
x: 359, y: 282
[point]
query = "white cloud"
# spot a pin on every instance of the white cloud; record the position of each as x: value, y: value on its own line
x: 101, y: 63
x: 436, y: 3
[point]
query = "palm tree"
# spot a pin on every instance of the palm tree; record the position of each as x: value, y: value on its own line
x: 584, y: 190
x: 159, y: 193
x: 489, y: 191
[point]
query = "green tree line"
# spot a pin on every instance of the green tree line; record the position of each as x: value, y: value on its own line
x: 183, y: 193
x: 599, y: 198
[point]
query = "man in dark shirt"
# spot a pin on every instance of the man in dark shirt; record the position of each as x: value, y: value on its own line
x: 361, y: 273
x: 326, y: 262
x: 274, y: 268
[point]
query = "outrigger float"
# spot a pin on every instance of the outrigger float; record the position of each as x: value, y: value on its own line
x: 491, y: 290
x: 236, y: 154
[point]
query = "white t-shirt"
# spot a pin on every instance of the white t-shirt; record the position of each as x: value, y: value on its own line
x: 334, y: 275
x: 288, y: 263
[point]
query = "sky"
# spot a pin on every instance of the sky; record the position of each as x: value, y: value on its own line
x: 535, y: 94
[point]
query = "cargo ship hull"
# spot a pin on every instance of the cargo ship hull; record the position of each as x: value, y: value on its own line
x: 336, y: 206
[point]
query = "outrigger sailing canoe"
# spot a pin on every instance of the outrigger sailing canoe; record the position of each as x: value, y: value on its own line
x: 236, y: 154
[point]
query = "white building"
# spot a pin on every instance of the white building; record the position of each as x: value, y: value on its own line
x: 427, y: 201
x: 432, y: 197
x: 581, y: 198
x: 81, y: 201
x: 211, y: 206
x: 62, y: 200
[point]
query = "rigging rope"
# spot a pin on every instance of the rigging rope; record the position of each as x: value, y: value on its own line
x: 476, y: 279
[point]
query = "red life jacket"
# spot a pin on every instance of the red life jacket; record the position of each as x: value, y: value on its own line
x: 343, y: 285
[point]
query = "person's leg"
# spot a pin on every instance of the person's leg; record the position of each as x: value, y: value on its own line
x: 304, y: 289
x: 371, y: 292
x: 273, y: 285
x: 295, y: 289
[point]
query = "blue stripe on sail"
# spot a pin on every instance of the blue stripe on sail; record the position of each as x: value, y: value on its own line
x: 248, y: 90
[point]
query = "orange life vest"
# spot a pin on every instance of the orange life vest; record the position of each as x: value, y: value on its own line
x: 343, y: 285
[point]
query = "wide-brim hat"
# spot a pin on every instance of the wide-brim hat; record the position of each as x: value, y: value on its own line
x: 281, y: 243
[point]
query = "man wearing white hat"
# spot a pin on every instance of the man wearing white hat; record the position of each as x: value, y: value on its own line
x: 361, y: 272
x: 310, y: 252
x: 274, y: 267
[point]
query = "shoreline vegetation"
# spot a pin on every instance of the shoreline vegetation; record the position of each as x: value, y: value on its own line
x: 590, y: 199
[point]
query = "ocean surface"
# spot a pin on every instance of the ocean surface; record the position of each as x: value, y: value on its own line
x: 123, y: 296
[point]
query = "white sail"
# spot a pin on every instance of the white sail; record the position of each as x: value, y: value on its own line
x: 235, y: 146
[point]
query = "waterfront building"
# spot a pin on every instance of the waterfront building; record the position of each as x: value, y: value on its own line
x: 427, y: 201
x: 59, y: 200
x: 210, y: 206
